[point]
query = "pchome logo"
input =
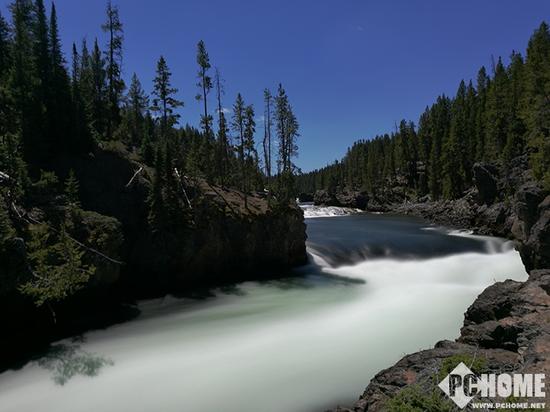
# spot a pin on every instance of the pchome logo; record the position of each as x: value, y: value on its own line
x: 462, y: 385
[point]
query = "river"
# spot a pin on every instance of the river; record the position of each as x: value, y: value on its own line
x: 377, y: 287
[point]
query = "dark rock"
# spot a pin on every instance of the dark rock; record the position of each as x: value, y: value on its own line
x: 486, y: 181
x: 306, y: 197
x: 217, y: 240
x: 345, y: 198
x: 420, y: 368
x: 511, y: 315
x: 536, y: 251
x: 528, y: 197
x: 325, y: 198
x: 353, y: 199
x: 220, y: 240
x: 494, y: 218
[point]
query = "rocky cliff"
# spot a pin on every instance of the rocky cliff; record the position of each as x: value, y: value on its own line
x: 508, y: 326
x: 220, y: 238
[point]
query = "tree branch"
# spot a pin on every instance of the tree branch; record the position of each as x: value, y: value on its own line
x: 134, y: 176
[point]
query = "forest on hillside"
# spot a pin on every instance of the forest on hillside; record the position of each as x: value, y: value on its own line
x: 57, y: 110
x: 505, y: 114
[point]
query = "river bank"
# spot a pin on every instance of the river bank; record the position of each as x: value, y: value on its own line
x: 508, y: 325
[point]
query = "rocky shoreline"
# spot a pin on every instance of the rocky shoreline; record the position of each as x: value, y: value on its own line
x: 508, y: 325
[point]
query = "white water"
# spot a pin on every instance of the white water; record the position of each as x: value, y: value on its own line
x: 284, y: 346
x: 311, y: 211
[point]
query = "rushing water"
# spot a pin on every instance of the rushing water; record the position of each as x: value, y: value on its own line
x: 378, y: 287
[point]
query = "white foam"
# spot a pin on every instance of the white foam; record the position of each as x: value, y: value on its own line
x: 272, y: 349
x: 311, y: 211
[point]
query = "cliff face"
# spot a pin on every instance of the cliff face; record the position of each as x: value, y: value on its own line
x: 224, y: 241
x: 218, y: 239
x: 508, y: 326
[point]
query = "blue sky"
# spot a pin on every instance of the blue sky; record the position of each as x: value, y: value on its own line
x: 352, y: 68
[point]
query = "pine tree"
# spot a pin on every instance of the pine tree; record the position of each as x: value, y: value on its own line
x: 515, y: 139
x: 453, y: 173
x: 5, y: 49
x: 205, y: 85
x: 251, y: 155
x: 425, y: 142
x: 137, y: 103
x: 223, y: 157
x: 41, y: 52
x: 80, y: 122
x: 98, y: 104
x: 536, y: 101
x: 496, y: 113
x: 72, y: 189
x: 441, y: 116
x: 59, y: 94
x: 238, y: 126
x: 114, y: 29
x: 7, y: 103
x: 287, y: 132
x: 25, y: 84
x: 58, y: 269
x: 483, y: 83
x: 268, y: 101
x: 165, y: 103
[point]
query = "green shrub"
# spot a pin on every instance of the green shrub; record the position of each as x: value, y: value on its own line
x: 476, y: 364
x: 414, y: 399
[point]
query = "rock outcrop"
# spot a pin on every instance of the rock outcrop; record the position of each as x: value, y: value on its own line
x: 486, y: 180
x: 220, y: 240
x: 509, y: 323
x: 345, y: 198
x: 227, y: 241
x: 507, y: 327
